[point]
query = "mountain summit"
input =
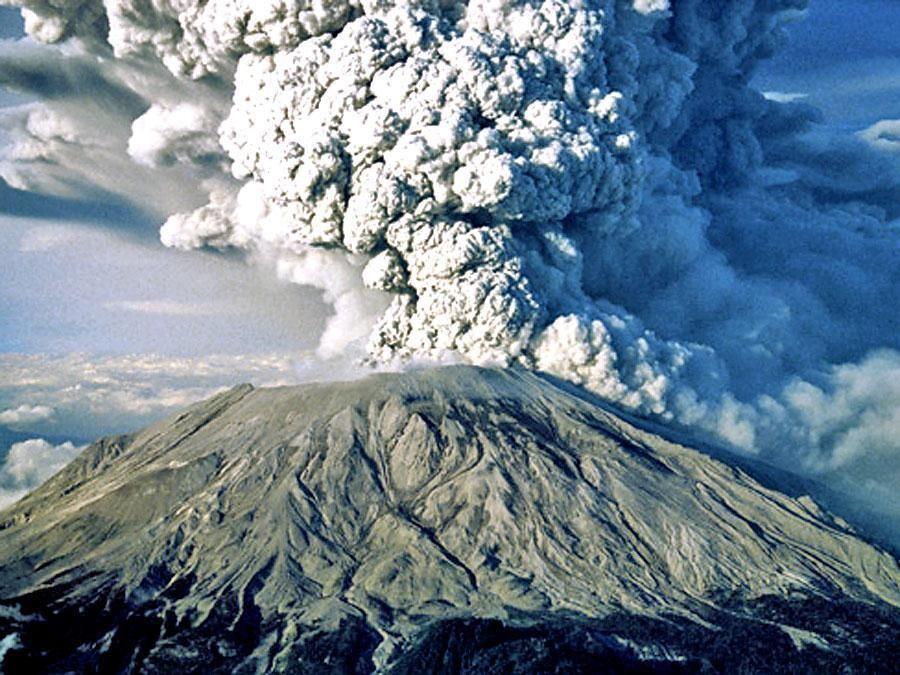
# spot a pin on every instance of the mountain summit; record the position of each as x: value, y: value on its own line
x: 454, y: 519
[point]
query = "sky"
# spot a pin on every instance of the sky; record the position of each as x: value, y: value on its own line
x: 11, y: 27
x: 742, y: 287
x: 91, y: 276
x: 844, y: 58
x: 88, y: 294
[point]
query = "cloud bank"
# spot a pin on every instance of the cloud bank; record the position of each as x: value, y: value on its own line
x: 25, y: 415
x: 588, y: 188
x: 85, y: 396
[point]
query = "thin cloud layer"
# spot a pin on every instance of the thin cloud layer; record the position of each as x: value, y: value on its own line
x: 591, y: 189
x: 164, y: 307
x: 79, y: 396
x: 93, y: 395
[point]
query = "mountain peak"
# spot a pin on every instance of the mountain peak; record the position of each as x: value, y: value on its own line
x: 376, y: 511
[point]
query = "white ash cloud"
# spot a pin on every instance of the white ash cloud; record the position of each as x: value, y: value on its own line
x: 590, y: 188
x: 181, y: 133
x: 336, y: 274
x: 192, y: 38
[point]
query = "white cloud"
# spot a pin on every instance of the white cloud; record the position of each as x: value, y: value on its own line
x: 25, y: 414
x: 649, y: 6
x: 883, y: 135
x: 30, y: 463
x: 9, y: 642
x: 74, y: 141
x: 784, y: 97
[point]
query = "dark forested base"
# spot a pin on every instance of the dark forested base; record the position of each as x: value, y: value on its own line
x: 109, y: 636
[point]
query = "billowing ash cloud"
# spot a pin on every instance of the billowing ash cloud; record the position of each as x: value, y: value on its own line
x: 586, y: 187
x: 457, y: 147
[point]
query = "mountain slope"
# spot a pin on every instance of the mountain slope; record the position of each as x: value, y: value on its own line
x: 355, y: 525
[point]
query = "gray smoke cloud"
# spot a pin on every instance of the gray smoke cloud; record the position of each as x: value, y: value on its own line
x: 590, y: 188
x: 73, y: 135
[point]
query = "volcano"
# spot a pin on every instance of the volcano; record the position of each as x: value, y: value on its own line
x: 454, y: 519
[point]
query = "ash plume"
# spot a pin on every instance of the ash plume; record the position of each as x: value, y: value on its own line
x: 590, y: 188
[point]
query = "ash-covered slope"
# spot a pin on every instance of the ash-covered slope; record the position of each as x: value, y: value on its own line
x: 454, y: 519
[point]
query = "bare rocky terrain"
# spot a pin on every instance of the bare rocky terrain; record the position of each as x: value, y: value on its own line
x: 446, y: 520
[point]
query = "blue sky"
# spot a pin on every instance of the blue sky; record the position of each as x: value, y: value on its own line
x: 845, y: 56
x: 11, y: 26
x: 10, y: 22
x: 136, y: 296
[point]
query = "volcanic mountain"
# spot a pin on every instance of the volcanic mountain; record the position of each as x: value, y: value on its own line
x: 445, y: 520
